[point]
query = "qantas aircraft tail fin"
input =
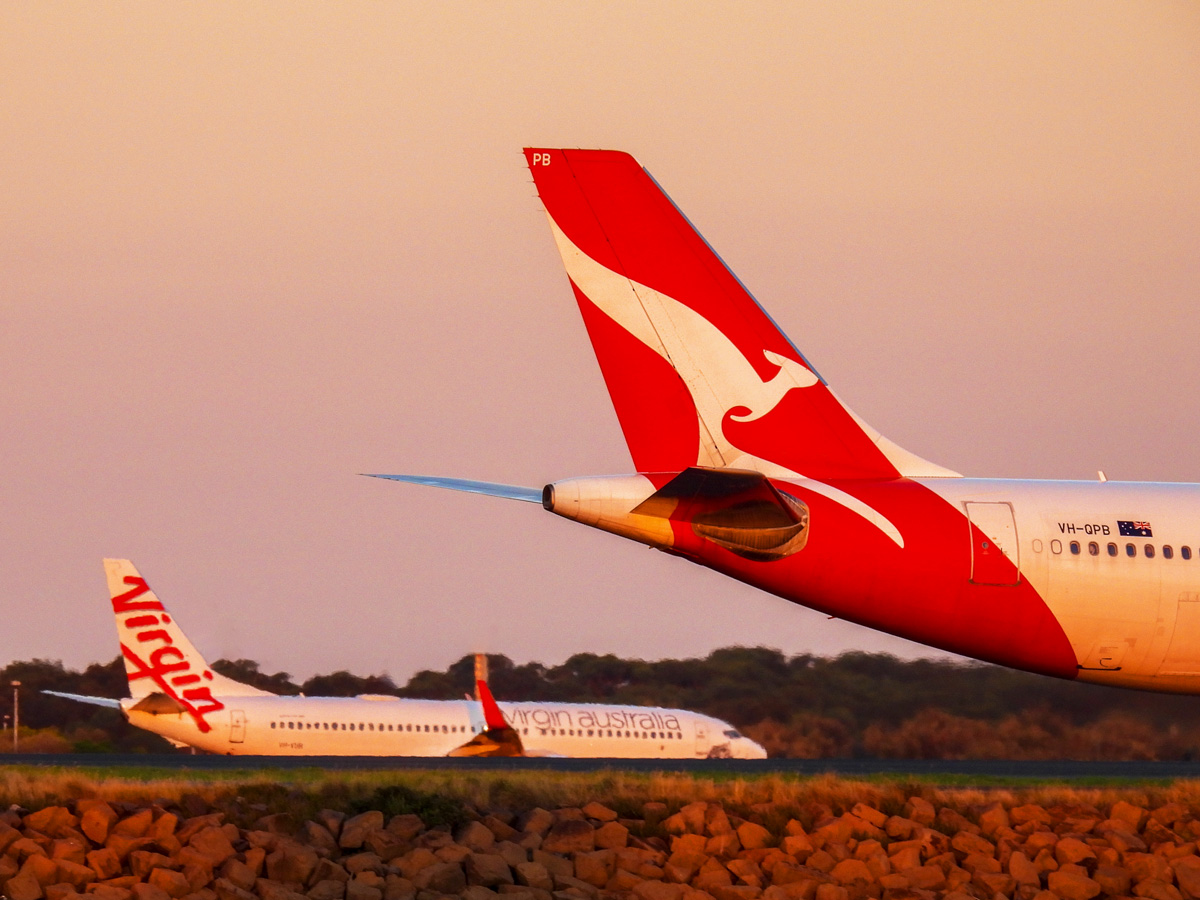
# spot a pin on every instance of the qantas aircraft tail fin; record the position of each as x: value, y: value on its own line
x: 159, y: 659
x: 699, y: 374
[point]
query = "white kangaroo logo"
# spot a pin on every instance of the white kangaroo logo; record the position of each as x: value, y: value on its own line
x: 717, y: 374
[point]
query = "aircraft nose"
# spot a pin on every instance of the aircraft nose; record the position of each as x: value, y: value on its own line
x: 751, y: 750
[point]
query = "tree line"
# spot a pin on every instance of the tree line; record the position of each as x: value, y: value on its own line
x: 855, y: 704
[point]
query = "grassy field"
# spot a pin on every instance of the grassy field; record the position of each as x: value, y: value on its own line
x: 447, y: 797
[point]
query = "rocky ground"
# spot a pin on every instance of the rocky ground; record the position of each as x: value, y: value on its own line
x: 123, y: 851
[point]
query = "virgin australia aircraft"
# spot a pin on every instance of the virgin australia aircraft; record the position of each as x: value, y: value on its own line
x: 747, y: 462
x: 175, y: 693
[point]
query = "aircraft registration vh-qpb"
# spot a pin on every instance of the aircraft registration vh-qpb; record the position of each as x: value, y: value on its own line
x: 746, y: 462
x: 175, y: 693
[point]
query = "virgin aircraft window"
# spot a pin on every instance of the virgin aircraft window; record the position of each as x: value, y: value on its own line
x: 272, y: 724
x: 1167, y: 551
x: 1056, y: 546
x: 1112, y: 549
x: 1149, y: 548
x: 1093, y: 548
x: 1074, y: 548
x: 1130, y: 550
x: 1185, y: 552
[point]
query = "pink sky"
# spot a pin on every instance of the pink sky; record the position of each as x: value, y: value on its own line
x: 250, y: 251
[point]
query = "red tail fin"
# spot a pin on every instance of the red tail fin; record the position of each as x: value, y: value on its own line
x: 697, y: 371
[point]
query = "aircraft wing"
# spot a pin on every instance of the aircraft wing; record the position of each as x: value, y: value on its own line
x: 82, y: 698
x: 508, y: 491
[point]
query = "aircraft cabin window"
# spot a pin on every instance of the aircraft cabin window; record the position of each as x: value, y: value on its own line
x: 1093, y: 548
x: 1185, y: 552
x: 1167, y: 551
x: 1130, y: 550
x: 1112, y: 549
x: 272, y: 724
x: 1074, y: 548
x: 1056, y: 546
x: 1149, y: 550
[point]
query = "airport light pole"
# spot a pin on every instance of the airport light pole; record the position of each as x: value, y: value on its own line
x: 16, y: 716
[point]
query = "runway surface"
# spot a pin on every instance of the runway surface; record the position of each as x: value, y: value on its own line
x: 955, y: 769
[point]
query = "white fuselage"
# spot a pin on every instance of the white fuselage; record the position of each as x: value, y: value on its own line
x: 390, y: 726
x: 1131, y: 616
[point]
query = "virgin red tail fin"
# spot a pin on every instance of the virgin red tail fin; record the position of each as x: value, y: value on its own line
x: 697, y: 371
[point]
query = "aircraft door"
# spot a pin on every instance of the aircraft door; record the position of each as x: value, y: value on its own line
x: 237, y: 726
x: 995, y: 557
x: 1183, y: 655
x: 701, y: 738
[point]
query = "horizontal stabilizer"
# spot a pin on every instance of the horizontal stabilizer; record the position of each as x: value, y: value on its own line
x: 82, y: 698
x: 508, y: 491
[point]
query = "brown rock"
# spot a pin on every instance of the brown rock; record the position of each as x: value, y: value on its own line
x: 1153, y: 889
x: 488, y: 869
x: 747, y: 872
x: 452, y: 853
x: 1133, y: 816
x: 1072, y: 886
x: 292, y: 863
x: 1148, y: 867
x: 993, y: 883
x: 993, y: 819
x: 355, y: 829
x: 104, y: 862
x: 1072, y: 851
x: 327, y: 890
x: 570, y: 836
x: 967, y: 843
x: 107, y: 892
x: 716, y: 821
x: 267, y: 889
x: 851, y: 871
x: 611, y: 836
x: 1031, y: 812
x: 123, y: 844
x: 926, y: 878
x: 1124, y: 841
x: 920, y: 810
x: 444, y: 878
x: 951, y: 821
x: 1112, y: 880
x: 536, y: 821
x: 905, y: 855
x: 42, y: 868
x: 143, y: 891
x: 1022, y: 869
x: 23, y: 886
x: 184, y: 831
x: 136, y: 825
x: 227, y: 890
x: 835, y: 892
x: 213, y: 845
x: 95, y: 819
x: 533, y: 874
x: 723, y: 846
x: 327, y: 870
x: 398, y: 888
x: 736, y: 892
x: 753, y: 837
x: 657, y: 890
x: 142, y: 862
x: 901, y: 829
x: 475, y: 836
x: 682, y: 865
x: 870, y: 815
x: 822, y: 861
x: 73, y: 848
x: 370, y: 862
x: 553, y: 863
x: 797, y: 845
x: 74, y: 874
x: 599, y: 812
x: 23, y: 848
x: 238, y: 874
x: 512, y: 853
x: 711, y: 875
x: 51, y: 821
x: 173, y: 884
x: 357, y: 890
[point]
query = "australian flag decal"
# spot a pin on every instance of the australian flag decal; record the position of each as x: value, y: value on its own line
x: 1135, y: 529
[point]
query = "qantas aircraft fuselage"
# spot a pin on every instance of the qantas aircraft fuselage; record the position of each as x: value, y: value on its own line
x: 747, y: 462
